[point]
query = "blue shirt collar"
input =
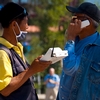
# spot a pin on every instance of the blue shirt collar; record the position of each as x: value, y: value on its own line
x: 80, y: 44
x: 89, y: 39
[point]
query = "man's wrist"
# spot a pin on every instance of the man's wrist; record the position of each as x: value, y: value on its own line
x: 70, y: 42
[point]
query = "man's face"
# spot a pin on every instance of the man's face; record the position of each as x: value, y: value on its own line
x: 51, y: 71
x: 81, y: 17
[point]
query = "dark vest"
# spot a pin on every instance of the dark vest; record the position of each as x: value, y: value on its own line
x: 27, y: 90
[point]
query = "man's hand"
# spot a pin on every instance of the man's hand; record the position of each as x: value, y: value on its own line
x: 53, y: 82
x: 38, y: 65
x: 74, y: 29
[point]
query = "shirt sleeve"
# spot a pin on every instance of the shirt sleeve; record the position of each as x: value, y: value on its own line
x: 58, y: 78
x: 46, y: 77
x: 5, y: 69
x: 71, y: 62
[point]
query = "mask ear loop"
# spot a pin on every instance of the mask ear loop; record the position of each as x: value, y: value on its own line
x: 15, y: 35
x: 19, y: 30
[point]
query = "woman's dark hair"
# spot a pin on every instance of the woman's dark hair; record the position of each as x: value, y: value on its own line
x: 20, y: 17
x: 10, y: 12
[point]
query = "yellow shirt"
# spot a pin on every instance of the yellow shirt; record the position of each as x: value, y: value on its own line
x: 5, y: 64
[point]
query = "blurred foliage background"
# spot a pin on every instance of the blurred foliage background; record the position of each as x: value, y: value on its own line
x: 51, y: 18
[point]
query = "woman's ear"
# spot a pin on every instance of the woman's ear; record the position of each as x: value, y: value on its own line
x: 13, y: 24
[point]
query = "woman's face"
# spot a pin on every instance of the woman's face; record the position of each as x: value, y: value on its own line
x: 21, y: 25
x: 24, y: 24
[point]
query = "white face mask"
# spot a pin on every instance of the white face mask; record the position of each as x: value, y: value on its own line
x: 22, y: 34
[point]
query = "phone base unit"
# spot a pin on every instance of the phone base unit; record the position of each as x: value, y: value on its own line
x: 54, y: 54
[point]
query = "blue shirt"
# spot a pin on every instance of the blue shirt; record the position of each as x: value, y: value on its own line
x: 71, y: 64
x: 86, y: 84
x: 54, y: 77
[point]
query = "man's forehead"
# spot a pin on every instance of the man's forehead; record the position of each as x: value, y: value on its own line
x: 75, y: 15
x: 79, y: 14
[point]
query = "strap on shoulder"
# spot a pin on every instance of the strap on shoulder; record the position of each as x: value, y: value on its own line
x: 2, y: 47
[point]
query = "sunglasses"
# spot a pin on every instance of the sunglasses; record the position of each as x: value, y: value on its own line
x: 80, y: 17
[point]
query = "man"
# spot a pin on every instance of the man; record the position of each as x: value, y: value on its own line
x: 15, y: 74
x: 51, y: 81
x: 80, y: 79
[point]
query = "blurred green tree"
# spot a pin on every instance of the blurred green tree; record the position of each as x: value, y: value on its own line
x: 52, y: 18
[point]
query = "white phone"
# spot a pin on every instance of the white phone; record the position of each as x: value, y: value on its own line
x: 85, y: 23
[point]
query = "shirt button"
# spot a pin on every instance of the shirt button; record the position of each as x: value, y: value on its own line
x: 63, y: 75
x: 62, y: 97
x: 60, y: 86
